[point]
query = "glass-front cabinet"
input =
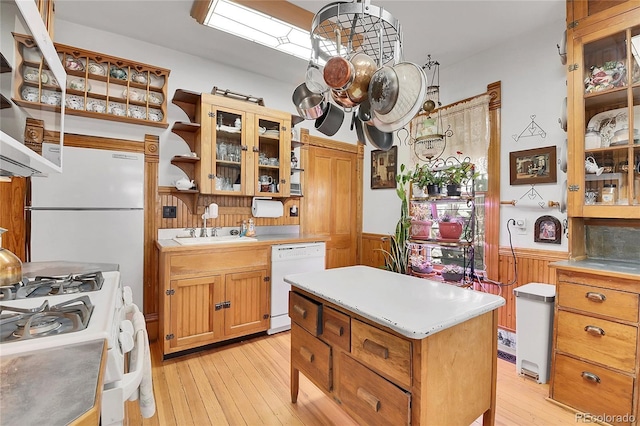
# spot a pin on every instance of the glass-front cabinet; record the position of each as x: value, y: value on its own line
x: 247, y: 152
x: 604, y: 181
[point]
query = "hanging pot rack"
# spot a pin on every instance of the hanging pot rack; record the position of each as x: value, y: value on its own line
x: 360, y: 23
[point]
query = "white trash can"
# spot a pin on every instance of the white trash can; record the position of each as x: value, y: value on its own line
x: 534, y: 330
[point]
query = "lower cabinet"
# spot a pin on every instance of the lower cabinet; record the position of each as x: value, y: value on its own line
x: 380, y: 377
x: 595, y: 350
x: 213, y: 295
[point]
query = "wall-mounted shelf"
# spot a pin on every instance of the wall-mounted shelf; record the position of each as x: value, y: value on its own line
x: 187, y: 101
x: 187, y: 131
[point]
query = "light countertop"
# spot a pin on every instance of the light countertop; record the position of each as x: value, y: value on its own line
x: 50, y: 386
x: 602, y: 266
x: 414, y: 307
x: 171, y: 245
x: 60, y: 267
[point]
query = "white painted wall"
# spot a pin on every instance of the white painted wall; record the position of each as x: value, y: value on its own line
x: 533, y: 83
x: 187, y: 72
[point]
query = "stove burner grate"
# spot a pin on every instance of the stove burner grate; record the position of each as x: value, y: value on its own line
x: 21, y: 324
x: 42, y: 286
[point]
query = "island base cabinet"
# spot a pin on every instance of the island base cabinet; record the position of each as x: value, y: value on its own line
x: 596, y: 390
x: 369, y: 398
x: 384, y: 377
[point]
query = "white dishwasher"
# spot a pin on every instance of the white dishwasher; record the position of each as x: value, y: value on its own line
x: 289, y: 259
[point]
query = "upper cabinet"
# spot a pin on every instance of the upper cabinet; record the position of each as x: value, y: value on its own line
x: 241, y: 148
x: 584, y: 12
x: 604, y: 107
x: 97, y: 86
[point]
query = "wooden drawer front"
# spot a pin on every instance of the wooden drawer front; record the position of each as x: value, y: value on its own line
x: 369, y: 398
x: 194, y: 264
x: 311, y: 356
x: 606, y: 342
x: 336, y: 328
x: 591, y: 389
x: 613, y: 303
x: 389, y: 354
x: 306, y: 313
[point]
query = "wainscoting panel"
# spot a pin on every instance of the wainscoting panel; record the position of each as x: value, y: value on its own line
x: 532, y: 266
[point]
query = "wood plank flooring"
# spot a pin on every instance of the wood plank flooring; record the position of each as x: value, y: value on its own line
x: 247, y: 383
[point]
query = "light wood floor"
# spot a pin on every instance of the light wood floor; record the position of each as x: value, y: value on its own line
x: 247, y: 383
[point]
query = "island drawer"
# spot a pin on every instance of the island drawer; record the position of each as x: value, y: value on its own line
x: 336, y: 328
x: 590, y: 388
x: 598, y: 300
x: 311, y: 356
x: 606, y: 342
x: 369, y: 398
x: 388, y: 354
x: 306, y: 313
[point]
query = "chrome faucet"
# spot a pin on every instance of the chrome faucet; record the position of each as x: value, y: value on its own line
x: 214, y: 231
x: 192, y: 231
x: 203, y: 231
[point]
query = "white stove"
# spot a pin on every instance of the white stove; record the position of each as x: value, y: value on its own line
x: 110, y: 307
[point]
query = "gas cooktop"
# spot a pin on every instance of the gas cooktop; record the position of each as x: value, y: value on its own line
x: 42, y: 286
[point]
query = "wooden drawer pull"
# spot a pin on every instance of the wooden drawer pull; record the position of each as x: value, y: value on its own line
x: 375, y: 348
x: 590, y: 377
x: 369, y: 399
x: 593, y: 330
x: 306, y: 354
x: 300, y: 311
x: 595, y: 297
x: 336, y: 329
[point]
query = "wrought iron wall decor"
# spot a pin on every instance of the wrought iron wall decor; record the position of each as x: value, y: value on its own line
x: 533, y: 129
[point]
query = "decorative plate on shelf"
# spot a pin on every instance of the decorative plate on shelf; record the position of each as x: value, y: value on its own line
x: 155, y: 115
x: 96, y: 105
x: 74, y: 102
x: 97, y: 69
x: 117, y: 73
x: 30, y: 94
x: 608, y: 122
x: 139, y: 77
x: 117, y: 109
x: 51, y: 98
x: 136, y: 112
x: 74, y: 64
x: 154, y: 98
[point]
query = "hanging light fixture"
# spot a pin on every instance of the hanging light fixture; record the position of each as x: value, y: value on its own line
x: 429, y: 139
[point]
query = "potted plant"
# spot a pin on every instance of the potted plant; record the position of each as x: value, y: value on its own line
x: 397, y: 257
x: 420, y: 264
x: 456, y: 175
x: 452, y: 273
x: 450, y: 226
x: 428, y: 179
x: 421, y: 220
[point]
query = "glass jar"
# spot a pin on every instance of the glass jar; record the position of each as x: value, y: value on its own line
x: 592, y: 139
x: 609, y: 193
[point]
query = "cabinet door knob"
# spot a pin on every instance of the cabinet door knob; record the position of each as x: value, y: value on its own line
x: 334, y: 328
x: 590, y: 377
x: 595, y: 297
x: 593, y: 330
x: 306, y: 354
x: 368, y: 398
x: 375, y: 348
x: 300, y: 311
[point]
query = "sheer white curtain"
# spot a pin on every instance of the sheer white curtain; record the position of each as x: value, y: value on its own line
x: 469, y: 122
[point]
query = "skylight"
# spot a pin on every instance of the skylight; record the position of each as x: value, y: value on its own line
x: 258, y: 27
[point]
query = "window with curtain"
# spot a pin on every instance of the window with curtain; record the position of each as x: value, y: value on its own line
x: 467, y: 127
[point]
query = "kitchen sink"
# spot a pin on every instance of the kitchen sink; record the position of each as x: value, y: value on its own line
x: 190, y: 241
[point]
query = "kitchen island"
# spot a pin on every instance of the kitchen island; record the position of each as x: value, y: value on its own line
x: 395, y: 349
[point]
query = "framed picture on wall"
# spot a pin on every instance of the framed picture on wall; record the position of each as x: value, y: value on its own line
x: 384, y: 167
x: 533, y: 166
x: 547, y: 230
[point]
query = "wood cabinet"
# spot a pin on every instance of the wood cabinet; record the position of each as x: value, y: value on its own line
x: 604, y: 127
x: 98, y: 85
x: 595, y: 345
x: 381, y: 377
x: 241, y: 148
x: 213, y: 294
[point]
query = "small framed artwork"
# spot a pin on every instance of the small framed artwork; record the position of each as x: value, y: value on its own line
x: 547, y: 230
x: 384, y: 168
x: 533, y: 166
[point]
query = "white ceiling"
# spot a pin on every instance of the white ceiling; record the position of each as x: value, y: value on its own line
x: 449, y: 30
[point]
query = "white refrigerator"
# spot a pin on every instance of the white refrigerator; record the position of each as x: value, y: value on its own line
x: 92, y: 212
